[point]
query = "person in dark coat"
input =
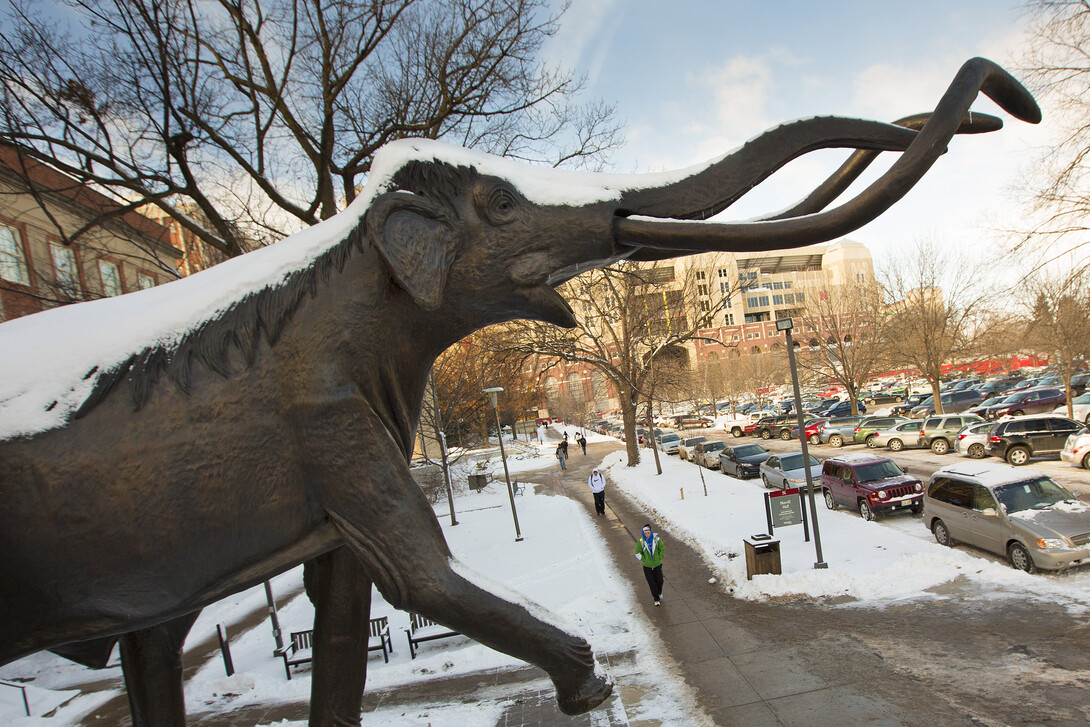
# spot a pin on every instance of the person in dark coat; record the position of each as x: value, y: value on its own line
x: 562, y: 454
x: 582, y: 443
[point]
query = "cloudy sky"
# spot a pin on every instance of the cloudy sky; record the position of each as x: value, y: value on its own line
x: 693, y: 79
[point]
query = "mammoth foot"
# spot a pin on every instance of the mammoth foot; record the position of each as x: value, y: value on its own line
x: 578, y: 698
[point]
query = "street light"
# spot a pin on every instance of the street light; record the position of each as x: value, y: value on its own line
x: 785, y: 325
x: 493, y: 394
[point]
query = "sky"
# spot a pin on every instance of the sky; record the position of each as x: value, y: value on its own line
x: 693, y: 80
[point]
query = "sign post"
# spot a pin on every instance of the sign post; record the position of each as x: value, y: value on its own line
x: 784, y: 508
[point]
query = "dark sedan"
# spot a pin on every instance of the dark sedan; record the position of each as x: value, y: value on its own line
x: 1032, y: 401
x: 743, y: 461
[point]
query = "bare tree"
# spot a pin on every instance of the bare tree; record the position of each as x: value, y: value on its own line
x: 1057, y: 64
x: 1059, y: 324
x: 756, y: 374
x: 264, y: 115
x: 635, y: 319
x: 849, y: 339
x: 938, y: 300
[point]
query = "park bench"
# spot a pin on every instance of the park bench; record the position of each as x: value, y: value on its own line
x: 518, y: 487
x: 422, y: 629
x: 300, y: 649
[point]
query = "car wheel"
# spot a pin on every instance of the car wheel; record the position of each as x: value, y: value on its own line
x: 940, y: 446
x: 942, y: 534
x: 829, y: 501
x: 1020, y: 558
x: 836, y: 440
x: 1018, y: 413
x: 865, y: 512
x: 785, y: 435
x: 1018, y: 456
x: 896, y: 445
x: 1088, y: 419
x: 815, y: 439
x: 977, y: 451
x: 764, y: 479
x: 765, y: 434
x: 736, y: 432
x: 1086, y: 461
x: 870, y: 441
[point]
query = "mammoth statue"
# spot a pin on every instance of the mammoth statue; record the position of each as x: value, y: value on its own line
x: 176, y: 464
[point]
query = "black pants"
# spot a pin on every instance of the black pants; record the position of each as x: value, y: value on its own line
x: 600, y: 502
x: 654, y: 579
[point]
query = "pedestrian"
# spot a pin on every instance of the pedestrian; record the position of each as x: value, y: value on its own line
x: 597, y: 485
x: 649, y: 550
x: 564, y: 446
x: 561, y: 454
x: 582, y: 443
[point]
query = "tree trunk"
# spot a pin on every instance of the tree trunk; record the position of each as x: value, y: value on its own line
x: 628, y: 415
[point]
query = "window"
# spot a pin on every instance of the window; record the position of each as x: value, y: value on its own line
x: 575, y: 386
x: 762, y: 300
x: 787, y: 284
x: 111, y: 278
x: 64, y: 270
x: 663, y: 274
x: 12, y: 258
x: 777, y: 299
x: 700, y: 275
x: 726, y: 302
x: 800, y: 298
x: 702, y: 289
x: 552, y: 390
x: 724, y: 288
x: 789, y: 298
x: 728, y: 319
x: 751, y: 275
x: 724, y: 273
x: 777, y: 285
x: 145, y: 281
x: 705, y: 306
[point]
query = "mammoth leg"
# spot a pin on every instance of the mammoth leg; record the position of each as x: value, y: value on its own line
x: 341, y: 592
x: 151, y: 660
x: 402, y: 548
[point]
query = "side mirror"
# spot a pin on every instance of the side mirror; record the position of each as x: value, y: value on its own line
x: 989, y: 511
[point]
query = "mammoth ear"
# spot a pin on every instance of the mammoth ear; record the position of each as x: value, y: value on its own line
x: 418, y: 240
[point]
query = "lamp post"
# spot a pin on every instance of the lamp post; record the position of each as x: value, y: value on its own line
x: 785, y: 325
x: 493, y: 394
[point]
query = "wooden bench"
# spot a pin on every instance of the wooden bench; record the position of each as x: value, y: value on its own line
x: 379, y: 639
x: 422, y: 629
x: 300, y: 650
x: 520, y: 489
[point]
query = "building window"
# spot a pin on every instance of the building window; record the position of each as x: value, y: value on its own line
x: 777, y: 285
x: 762, y: 300
x: 777, y: 300
x: 751, y: 301
x: 552, y: 390
x: 789, y: 298
x: 726, y: 302
x: 705, y: 306
x: 734, y: 338
x: 12, y: 258
x: 702, y: 289
x: 111, y: 278
x: 575, y: 387
x: 598, y: 384
x: 724, y: 288
x: 787, y: 284
x: 700, y: 275
x: 724, y: 273
x: 64, y: 270
x: 800, y: 298
x: 664, y: 274
x: 145, y: 281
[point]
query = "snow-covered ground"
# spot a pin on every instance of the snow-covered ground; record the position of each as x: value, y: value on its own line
x: 562, y: 564
x: 870, y: 563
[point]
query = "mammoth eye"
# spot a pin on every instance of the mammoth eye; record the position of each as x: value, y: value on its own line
x: 499, y: 205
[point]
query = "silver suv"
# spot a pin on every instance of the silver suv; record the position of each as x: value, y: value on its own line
x: 941, y: 431
x: 1021, y: 514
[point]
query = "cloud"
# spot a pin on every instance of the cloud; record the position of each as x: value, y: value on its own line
x: 581, y: 27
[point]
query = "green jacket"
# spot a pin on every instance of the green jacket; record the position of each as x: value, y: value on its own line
x: 653, y: 558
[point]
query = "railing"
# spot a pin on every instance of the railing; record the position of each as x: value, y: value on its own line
x: 21, y: 688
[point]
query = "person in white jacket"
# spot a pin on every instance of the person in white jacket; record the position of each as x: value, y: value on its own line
x: 597, y: 484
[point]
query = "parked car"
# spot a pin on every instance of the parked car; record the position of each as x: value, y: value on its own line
x: 953, y: 402
x: 939, y: 432
x: 870, y: 484
x: 1021, y: 514
x: 981, y: 409
x: 737, y: 426
x: 686, y: 447
x: 1077, y: 450
x: 972, y: 440
x: 789, y: 429
x: 766, y: 425
x: 842, y: 409
x: 707, y: 454
x: 743, y: 461
x: 866, y: 429
x: 1017, y: 440
x: 882, y: 398
x: 1030, y: 401
x: 909, y: 403
x: 691, y: 421
x: 788, y: 470
x: 669, y: 442
x: 899, y: 436
x: 836, y: 432
x: 1080, y: 407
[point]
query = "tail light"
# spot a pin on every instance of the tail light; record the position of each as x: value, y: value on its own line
x: 962, y: 436
x: 994, y: 438
x: 923, y: 433
x: 858, y: 428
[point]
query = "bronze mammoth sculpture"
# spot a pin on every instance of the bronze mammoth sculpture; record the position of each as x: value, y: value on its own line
x: 290, y: 403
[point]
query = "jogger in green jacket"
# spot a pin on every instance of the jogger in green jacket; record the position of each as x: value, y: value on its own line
x: 649, y: 549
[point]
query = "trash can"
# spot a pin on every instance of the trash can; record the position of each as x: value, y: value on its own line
x: 762, y: 555
x: 478, y: 482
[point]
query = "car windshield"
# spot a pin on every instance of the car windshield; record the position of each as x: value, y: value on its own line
x: 694, y: 441
x: 877, y: 471
x: 714, y: 446
x: 749, y: 450
x: 909, y: 427
x: 1036, y: 494
x: 794, y: 462
x: 1012, y: 399
x: 670, y: 437
x: 1084, y: 399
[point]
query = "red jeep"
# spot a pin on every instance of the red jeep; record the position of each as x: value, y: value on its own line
x: 869, y: 483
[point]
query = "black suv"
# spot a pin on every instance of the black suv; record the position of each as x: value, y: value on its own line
x: 766, y: 426
x: 1018, y: 439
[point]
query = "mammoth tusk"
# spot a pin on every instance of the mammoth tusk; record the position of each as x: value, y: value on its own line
x: 975, y: 76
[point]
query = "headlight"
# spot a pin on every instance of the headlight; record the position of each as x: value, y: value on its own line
x: 882, y: 494
x: 1048, y: 543
x: 919, y: 487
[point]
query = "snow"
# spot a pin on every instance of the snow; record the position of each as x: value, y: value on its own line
x: 562, y: 565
